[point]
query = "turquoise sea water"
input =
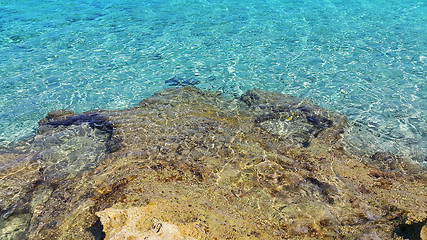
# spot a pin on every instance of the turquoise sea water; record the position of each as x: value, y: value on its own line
x: 364, y: 58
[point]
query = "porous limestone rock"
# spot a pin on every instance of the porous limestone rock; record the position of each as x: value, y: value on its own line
x: 263, y: 166
x: 137, y: 223
x: 423, y: 234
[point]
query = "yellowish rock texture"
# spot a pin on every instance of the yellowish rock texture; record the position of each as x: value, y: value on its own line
x: 190, y: 164
x: 138, y: 223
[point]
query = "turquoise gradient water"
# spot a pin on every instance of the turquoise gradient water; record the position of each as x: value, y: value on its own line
x: 364, y: 58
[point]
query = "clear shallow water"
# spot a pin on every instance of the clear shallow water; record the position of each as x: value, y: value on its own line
x: 366, y: 59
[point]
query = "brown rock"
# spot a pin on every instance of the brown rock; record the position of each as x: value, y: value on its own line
x: 192, y: 164
x: 423, y: 233
x: 137, y: 224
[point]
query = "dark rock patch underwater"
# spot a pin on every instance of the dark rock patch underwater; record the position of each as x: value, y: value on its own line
x: 189, y: 164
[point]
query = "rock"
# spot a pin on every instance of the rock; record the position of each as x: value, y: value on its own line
x: 55, y: 115
x: 131, y: 224
x: 391, y: 163
x: 19, y: 177
x: 194, y: 164
x: 182, y: 80
x: 15, y: 226
x: 423, y: 233
x: 68, y: 143
x: 156, y: 56
x: 297, y: 120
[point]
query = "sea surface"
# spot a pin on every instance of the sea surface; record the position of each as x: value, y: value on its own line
x: 364, y: 58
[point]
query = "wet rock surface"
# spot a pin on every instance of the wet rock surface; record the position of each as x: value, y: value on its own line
x: 68, y: 145
x: 294, y: 120
x: 264, y: 166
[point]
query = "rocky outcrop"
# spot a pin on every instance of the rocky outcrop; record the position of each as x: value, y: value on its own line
x: 190, y: 164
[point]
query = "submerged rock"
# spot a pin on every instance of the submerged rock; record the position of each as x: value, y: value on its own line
x: 294, y: 120
x: 68, y: 143
x: 182, y: 80
x: 263, y: 166
x: 19, y: 177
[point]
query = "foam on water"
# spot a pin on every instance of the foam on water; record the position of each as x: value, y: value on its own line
x: 366, y: 59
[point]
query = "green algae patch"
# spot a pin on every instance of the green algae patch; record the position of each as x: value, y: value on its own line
x: 189, y: 164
